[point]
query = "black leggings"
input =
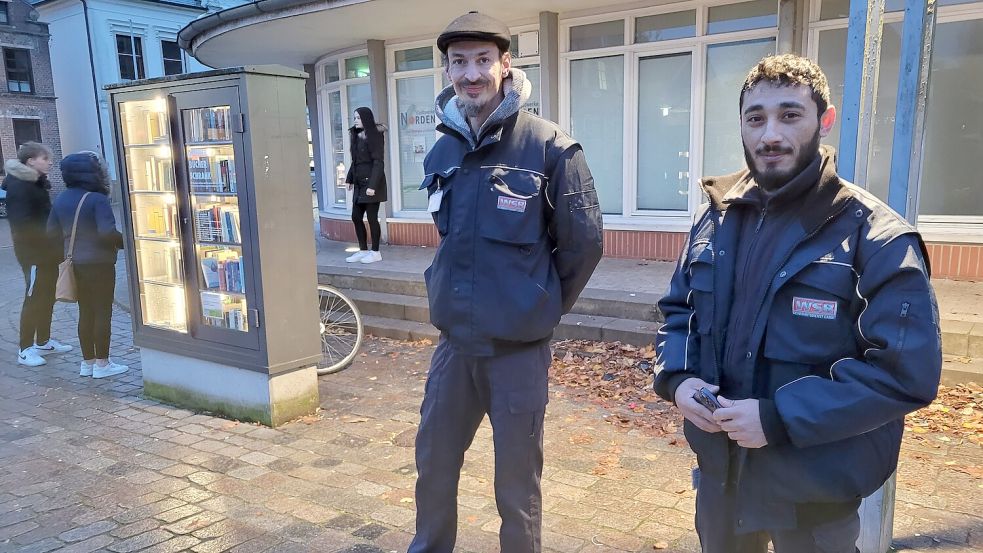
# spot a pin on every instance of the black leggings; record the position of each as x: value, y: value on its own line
x: 96, y: 284
x: 39, y: 299
x: 372, y: 211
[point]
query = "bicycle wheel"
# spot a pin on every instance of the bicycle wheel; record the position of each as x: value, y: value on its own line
x: 341, y: 330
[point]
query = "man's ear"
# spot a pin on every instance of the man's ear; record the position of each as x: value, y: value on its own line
x: 506, y: 64
x: 826, y: 121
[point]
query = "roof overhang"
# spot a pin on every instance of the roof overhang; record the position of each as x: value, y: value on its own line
x: 298, y: 32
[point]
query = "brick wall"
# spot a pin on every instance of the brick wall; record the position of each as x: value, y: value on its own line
x: 38, y: 105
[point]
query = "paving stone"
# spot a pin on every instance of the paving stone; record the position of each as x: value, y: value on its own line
x: 141, y: 541
x: 139, y: 527
x: 86, y: 532
x: 98, y: 543
x: 178, y: 514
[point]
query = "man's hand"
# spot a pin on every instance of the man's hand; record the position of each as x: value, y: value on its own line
x: 693, y: 411
x: 370, y: 191
x: 741, y: 421
x: 351, y: 187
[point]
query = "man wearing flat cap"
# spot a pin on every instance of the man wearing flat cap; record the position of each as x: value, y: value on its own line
x: 520, y: 234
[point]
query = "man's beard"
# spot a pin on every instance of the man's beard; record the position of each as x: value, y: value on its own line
x: 469, y: 107
x: 775, y: 179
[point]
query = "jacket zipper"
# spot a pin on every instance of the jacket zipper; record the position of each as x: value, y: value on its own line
x: 903, y: 331
x: 714, y: 331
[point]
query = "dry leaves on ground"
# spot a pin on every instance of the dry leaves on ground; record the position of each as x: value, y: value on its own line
x: 957, y: 413
x: 617, y: 377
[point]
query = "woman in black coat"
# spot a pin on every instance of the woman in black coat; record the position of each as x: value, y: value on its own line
x: 367, y: 179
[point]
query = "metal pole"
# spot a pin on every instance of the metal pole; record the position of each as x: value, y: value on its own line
x: 863, y: 54
x: 909, y: 122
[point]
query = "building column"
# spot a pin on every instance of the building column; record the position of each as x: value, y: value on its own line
x: 315, y: 122
x: 379, y: 84
x: 787, y: 23
x: 549, y: 64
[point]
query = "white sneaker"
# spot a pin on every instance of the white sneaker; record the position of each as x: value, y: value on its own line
x: 85, y: 369
x: 371, y: 257
x: 357, y: 256
x: 109, y: 370
x: 30, y: 358
x: 52, y: 346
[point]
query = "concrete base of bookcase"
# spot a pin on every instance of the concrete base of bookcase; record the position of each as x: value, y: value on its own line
x: 229, y: 391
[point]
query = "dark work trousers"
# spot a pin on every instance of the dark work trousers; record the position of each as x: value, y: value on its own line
x: 39, y: 300
x: 96, y: 284
x: 372, y: 211
x: 512, y: 389
x: 716, y: 515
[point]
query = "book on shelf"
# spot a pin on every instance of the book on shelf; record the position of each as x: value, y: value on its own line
x: 211, y: 174
x: 218, y: 224
x: 209, y: 124
x: 223, y: 271
x: 161, y: 221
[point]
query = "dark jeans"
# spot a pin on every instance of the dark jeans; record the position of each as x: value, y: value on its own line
x: 715, y: 520
x: 372, y: 211
x: 511, y: 389
x: 39, y: 300
x: 96, y: 284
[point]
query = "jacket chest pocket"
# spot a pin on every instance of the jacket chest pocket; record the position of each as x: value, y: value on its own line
x: 811, y: 320
x: 700, y: 272
x: 510, y: 206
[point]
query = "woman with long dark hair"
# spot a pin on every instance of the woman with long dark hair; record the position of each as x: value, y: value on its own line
x: 367, y: 181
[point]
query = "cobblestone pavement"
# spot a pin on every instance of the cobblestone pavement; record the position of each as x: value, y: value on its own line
x: 90, y: 465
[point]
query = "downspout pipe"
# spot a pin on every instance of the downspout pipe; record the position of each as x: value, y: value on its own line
x: 92, y: 68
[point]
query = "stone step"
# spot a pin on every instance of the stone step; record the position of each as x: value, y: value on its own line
x: 391, y: 306
x: 398, y: 329
x: 399, y: 288
x: 962, y: 338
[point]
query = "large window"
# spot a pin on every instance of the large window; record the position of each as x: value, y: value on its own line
x: 26, y: 130
x: 597, y: 95
x: 173, y: 57
x: 657, y: 114
x: 20, y: 77
x: 343, y: 85
x: 129, y: 53
x: 4, y: 14
x: 949, y: 183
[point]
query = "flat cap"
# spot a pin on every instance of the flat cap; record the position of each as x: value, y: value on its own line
x: 475, y: 26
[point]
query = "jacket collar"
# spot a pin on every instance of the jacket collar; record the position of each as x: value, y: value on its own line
x: 15, y: 168
x: 518, y: 89
x: 818, y: 188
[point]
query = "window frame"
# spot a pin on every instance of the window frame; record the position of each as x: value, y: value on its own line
x: 165, y: 59
x: 935, y: 228
x: 29, y: 70
x: 4, y: 13
x: 140, y: 70
x: 631, y: 217
x: 35, y: 122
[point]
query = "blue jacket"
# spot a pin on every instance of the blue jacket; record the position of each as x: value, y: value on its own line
x: 97, y: 240
x: 844, y: 343
x: 519, y: 222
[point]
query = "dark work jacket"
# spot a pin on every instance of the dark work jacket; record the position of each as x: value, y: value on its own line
x: 28, y: 206
x: 519, y: 223
x: 368, y: 168
x: 842, y: 342
x: 97, y: 240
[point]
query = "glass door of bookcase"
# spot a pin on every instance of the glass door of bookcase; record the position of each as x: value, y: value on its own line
x: 153, y: 205
x: 212, y: 164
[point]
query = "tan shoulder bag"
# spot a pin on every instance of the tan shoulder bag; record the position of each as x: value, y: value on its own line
x: 65, y: 288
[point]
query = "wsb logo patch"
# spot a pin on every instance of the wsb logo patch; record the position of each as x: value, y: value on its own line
x: 816, y: 309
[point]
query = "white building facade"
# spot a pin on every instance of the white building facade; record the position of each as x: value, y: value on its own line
x: 99, y: 42
x: 649, y: 88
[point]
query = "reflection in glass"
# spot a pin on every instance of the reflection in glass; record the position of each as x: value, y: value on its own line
x: 337, y: 146
x: 666, y: 26
x: 664, y: 131
x: 597, y: 92
x: 597, y: 35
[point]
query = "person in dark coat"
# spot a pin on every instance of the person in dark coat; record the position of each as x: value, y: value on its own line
x: 28, y: 206
x: 97, y: 243
x: 367, y: 180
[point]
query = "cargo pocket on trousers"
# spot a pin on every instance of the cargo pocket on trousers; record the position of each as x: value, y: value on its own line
x: 529, y: 403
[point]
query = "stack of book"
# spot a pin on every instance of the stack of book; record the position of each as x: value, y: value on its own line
x: 223, y: 271
x: 208, y: 125
x: 217, y: 224
x: 211, y: 174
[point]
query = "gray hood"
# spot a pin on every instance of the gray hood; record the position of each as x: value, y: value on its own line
x: 17, y: 169
x: 517, y: 92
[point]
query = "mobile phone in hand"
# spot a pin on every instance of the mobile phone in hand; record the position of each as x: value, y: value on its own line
x: 706, y: 398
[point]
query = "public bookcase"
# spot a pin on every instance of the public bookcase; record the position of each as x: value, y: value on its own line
x: 219, y: 248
